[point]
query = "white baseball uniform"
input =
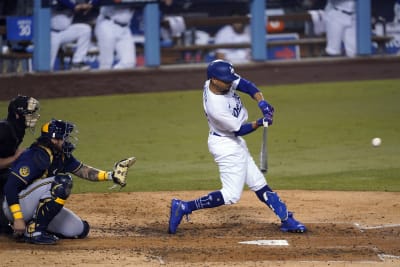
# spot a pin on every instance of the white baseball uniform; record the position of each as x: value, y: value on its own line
x: 63, y: 31
x: 114, y: 35
x: 228, y: 35
x: 225, y: 114
x: 340, y: 27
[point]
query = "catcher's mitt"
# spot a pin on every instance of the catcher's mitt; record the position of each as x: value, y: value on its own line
x: 120, y: 171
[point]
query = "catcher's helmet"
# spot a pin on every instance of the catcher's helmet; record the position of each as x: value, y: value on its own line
x: 27, y: 108
x: 61, y: 130
x: 221, y: 70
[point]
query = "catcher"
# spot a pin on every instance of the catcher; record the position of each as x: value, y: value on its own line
x: 39, y: 184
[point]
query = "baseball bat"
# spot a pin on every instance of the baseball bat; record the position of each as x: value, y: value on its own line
x: 264, y: 149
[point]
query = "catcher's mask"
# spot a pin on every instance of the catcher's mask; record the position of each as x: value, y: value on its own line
x: 26, y: 107
x: 221, y: 70
x: 62, y: 130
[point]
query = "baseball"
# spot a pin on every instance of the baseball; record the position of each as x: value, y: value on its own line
x: 376, y: 141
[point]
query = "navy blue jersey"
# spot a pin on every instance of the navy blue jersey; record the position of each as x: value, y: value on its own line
x: 12, y: 133
x: 36, y: 162
x: 8, y: 140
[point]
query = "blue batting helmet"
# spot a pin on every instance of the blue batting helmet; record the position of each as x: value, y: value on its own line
x: 221, y: 70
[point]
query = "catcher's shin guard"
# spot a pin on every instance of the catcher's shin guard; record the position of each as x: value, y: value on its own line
x: 48, y: 208
x: 36, y: 231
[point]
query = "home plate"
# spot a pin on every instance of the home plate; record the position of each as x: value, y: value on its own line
x: 266, y: 242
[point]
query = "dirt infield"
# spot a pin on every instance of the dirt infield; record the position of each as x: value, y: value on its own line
x: 130, y: 229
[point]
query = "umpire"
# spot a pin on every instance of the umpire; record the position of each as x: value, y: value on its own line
x: 23, y: 112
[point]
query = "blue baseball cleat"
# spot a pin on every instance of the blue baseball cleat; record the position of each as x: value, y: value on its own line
x: 179, y: 208
x: 293, y: 226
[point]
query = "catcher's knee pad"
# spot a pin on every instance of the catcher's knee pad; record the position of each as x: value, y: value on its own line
x: 61, y: 186
x: 86, y: 229
x: 276, y: 204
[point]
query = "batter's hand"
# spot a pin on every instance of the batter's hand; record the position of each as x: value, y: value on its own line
x: 263, y: 121
x: 19, y: 227
x: 266, y: 108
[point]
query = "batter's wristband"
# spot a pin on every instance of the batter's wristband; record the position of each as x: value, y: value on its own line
x: 16, y: 211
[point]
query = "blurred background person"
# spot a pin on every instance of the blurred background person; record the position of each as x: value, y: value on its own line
x: 396, y: 11
x: 340, y: 26
x: 114, y: 36
x: 235, y: 33
x: 63, y: 30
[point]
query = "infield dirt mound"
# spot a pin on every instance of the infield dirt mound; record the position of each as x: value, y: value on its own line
x: 130, y: 229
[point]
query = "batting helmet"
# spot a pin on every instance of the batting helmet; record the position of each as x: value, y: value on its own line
x: 61, y: 130
x: 221, y: 70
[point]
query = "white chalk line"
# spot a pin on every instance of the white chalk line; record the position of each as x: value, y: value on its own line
x: 382, y: 257
x: 263, y: 242
x: 388, y: 256
x: 330, y: 261
x: 361, y: 227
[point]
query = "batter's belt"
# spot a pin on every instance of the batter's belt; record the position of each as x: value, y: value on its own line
x: 344, y: 11
x: 116, y: 22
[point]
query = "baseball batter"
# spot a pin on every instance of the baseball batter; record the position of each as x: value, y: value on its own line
x: 114, y: 35
x: 38, y: 186
x: 227, y: 120
x: 340, y: 27
x: 23, y: 113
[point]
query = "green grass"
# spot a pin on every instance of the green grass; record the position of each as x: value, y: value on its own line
x: 320, y: 138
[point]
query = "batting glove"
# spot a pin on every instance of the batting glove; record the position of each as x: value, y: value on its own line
x: 266, y: 109
x: 264, y: 120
